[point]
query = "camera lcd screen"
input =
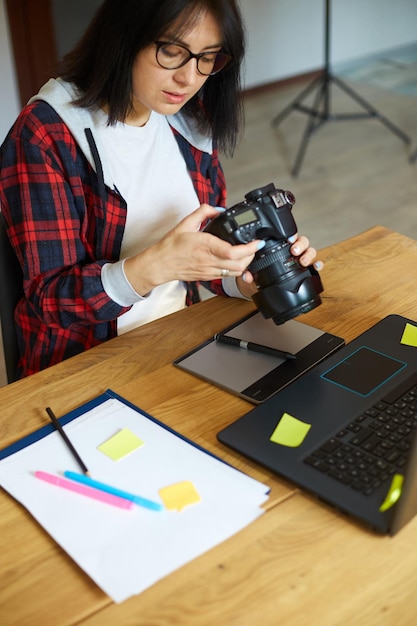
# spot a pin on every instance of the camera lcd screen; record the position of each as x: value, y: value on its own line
x: 246, y: 217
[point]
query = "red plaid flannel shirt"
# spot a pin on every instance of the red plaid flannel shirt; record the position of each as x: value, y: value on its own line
x: 63, y: 230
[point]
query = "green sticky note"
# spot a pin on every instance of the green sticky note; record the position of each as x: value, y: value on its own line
x: 178, y: 496
x: 409, y: 337
x: 290, y: 431
x: 121, y: 444
x: 394, y: 492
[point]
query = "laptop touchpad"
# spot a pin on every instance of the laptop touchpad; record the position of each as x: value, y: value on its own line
x: 364, y: 371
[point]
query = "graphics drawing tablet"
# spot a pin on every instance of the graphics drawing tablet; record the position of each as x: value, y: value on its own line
x: 254, y: 376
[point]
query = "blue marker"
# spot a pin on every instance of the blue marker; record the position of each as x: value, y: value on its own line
x: 86, y: 480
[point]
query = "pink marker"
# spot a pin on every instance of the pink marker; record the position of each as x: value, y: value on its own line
x: 90, y: 492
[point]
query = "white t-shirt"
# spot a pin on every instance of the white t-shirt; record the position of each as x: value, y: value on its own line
x: 151, y: 175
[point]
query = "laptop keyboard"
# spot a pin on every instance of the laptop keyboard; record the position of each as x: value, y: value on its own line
x: 375, y: 445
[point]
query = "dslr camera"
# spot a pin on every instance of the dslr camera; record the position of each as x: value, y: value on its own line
x: 285, y: 288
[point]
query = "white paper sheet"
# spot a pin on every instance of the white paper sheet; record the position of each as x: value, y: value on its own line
x: 125, y: 552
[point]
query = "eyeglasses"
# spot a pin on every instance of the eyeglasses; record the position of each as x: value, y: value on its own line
x: 172, y: 56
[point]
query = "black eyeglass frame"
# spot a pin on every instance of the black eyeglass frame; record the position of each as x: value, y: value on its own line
x: 226, y: 57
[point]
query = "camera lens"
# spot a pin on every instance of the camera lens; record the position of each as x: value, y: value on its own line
x: 285, y: 288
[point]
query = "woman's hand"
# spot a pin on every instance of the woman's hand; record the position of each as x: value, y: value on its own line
x: 301, y: 249
x: 188, y: 254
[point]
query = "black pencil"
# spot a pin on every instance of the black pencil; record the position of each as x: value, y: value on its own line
x: 67, y: 441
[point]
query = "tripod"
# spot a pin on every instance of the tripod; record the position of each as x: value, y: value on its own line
x: 320, y: 112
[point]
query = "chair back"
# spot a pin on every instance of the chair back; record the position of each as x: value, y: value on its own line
x: 11, y: 290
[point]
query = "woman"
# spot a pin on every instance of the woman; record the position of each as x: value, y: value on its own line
x: 109, y: 172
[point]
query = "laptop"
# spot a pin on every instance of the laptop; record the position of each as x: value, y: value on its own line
x: 256, y: 376
x: 344, y: 431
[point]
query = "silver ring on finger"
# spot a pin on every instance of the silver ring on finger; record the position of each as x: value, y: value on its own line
x: 224, y: 272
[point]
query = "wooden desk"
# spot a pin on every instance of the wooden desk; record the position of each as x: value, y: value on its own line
x: 301, y: 562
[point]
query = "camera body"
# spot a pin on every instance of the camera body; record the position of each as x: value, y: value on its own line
x: 285, y: 288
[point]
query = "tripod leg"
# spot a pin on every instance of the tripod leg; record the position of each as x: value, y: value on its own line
x: 294, y: 104
x: 316, y: 119
x: 413, y: 157
x: 371, y: 110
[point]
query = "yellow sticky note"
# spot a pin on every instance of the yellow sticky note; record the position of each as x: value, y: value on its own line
x: 409, y: 337
x: 176, y: 497
x: 121, y: 444
x: 394, y: 492
x: 290, y: 431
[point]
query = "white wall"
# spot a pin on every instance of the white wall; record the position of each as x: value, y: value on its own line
x: 286, y: 37
x: 9, y: 100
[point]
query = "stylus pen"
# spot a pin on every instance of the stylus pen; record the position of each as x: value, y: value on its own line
x: 255, y: 347
x: 64, y: 436
x: 86, y: 480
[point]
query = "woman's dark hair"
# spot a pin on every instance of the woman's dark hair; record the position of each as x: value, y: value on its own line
x: 101, y: 64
